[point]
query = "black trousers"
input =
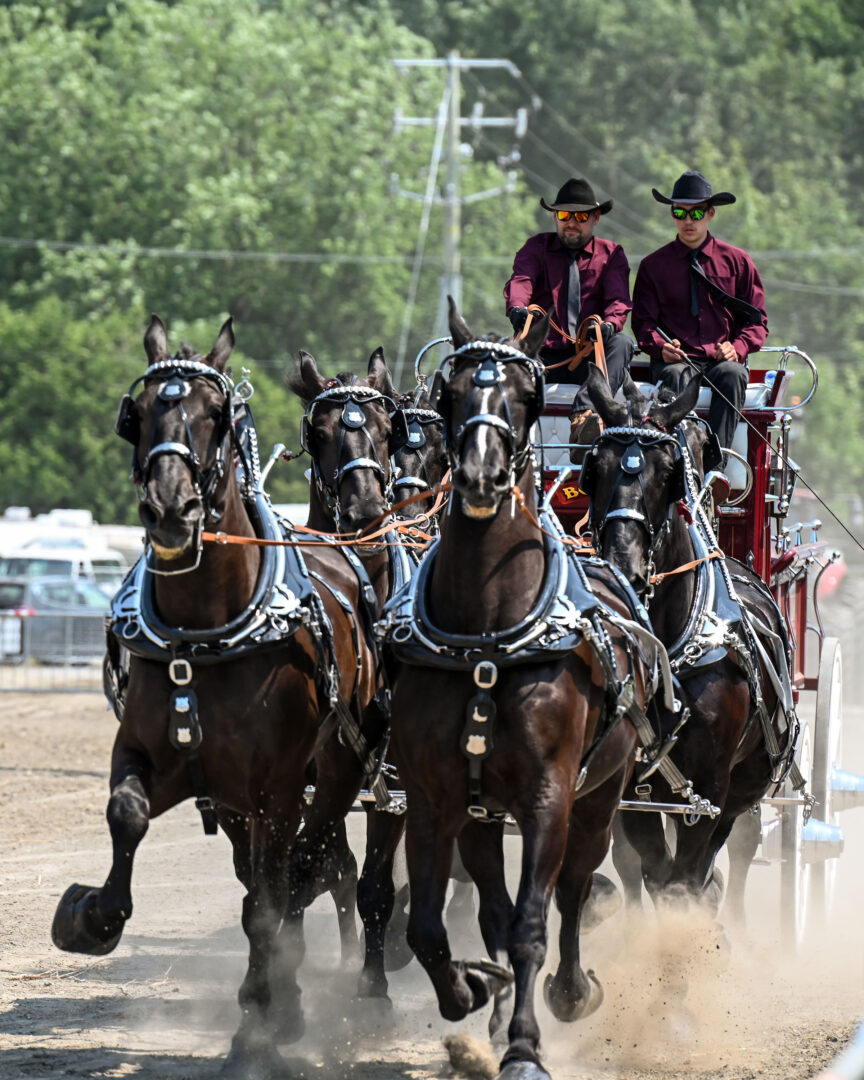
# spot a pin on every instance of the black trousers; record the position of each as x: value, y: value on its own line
x: 727, y: 379
x: 619, y: 351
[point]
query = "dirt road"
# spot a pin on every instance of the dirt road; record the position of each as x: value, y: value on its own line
x: 164, y: 1004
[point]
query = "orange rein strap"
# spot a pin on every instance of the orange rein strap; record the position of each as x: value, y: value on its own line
x: 404, y: 528
x: 582, y: 342
x: 575, y: 542
x: 656, y: 578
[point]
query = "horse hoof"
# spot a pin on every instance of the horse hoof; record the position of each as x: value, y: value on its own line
x: 523, y: 1070
x: 485, y: 979
x: 373, y: 987
x: 291, y: 1029
x: 564, y: 1008
x: 245, y: 1063
x: 78, y: 928
x: 604, y: 901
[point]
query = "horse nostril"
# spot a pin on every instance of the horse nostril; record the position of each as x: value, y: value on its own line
x: 149, y: 517
x: 190, y: 509
x: 502, y: 479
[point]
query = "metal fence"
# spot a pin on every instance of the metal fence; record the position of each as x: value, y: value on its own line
x: 40, y: 651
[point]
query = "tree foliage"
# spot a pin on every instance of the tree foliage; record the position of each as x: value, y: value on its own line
x: 197, y: 158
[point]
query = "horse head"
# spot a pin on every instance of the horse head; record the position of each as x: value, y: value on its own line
x: 417, y: 450
x: 634, y: 472
x: 180, y: 425
x: 493, y: 396
x: 346, y: 432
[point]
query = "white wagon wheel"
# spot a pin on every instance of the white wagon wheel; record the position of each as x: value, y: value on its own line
x: 795, y: 873
x: 827, y: 748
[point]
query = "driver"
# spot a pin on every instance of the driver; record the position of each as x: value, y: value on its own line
x: 571, y: 273
x: 700, y: 299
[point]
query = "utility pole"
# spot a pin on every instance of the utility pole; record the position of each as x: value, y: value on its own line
x: 451, y: 199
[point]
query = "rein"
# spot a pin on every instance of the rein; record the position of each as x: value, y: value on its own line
x: 576, y: 542
x: 407, y: 528
x: 582, y: 342
x: 656, y: 578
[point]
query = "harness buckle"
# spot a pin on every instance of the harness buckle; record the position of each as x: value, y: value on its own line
x: 485, y: 675
x: 180, y: 672
x: 643, y: 791
x: 479, y: 813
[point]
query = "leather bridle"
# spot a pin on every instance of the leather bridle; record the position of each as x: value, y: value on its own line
x: 633, y: 441
x: 176, y: 378
x: 491, y: 358
x: 353, y: 418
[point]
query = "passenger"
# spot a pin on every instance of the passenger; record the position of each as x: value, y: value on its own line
x: 850, y: 1064
x: 706, y: 297
x: 572, y: 274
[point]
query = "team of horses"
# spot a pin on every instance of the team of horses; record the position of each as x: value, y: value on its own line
x: 272, y: 674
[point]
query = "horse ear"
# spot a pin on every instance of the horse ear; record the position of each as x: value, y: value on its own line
x: 459, y: 331
x: 611, y: 412
x: 379, y: 374
x: 533, y: 341
x: 224, y: 344
x: 156, y: 340
x: 306, y: 381
x: 671, y: 414
x: 634, y: 395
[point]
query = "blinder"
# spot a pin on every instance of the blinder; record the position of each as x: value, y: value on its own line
x: 588, y: 475
x: 407, y: 429
x: 678, y: 483
x: 126, y: 425
x: 712, y: 453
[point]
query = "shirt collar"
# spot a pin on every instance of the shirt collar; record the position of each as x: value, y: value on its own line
x: 685, y: 252
x: 587, y: 250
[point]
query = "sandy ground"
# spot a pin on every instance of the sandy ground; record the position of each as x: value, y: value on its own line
x: 163, y: 1005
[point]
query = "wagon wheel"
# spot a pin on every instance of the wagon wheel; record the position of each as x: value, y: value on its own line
x: 795, y: 874
x: 827, y: 747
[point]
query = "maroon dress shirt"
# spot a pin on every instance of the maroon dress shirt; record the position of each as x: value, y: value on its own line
x: 541, y: 272
x: 661, y: 297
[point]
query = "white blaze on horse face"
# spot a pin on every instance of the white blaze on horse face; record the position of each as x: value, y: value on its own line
x: 484, y: 429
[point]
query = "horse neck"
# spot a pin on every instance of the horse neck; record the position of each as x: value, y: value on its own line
x: 222, y: 586
x: 487, y: 574
x: 670, y: 606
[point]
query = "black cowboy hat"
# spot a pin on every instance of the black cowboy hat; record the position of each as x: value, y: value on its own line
x: 577, y: 195
x: 691, y: 188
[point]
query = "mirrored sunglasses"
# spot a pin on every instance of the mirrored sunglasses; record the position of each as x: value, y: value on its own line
x: 579, y: 215
x: 695, y: 213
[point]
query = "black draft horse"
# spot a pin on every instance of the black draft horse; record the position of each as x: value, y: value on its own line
x: 554, y: 764
x: 352, y: 427
x: 259, y: 713
x: 644, y: 476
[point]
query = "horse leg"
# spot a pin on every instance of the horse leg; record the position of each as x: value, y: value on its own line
x: 267, y: 1002
x: 544, y: 842
x: 627, y: 861
x: 460, y: 910
x: 645, y: 835
x: 342, y: 886
x: 91, y: 920
x: 570, y: 993
x: 461, y: 986
x: 375, y: 898
x: 482, y: 856
x: 743, y: 842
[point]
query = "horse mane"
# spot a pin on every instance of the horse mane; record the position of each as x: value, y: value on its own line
x: 186, y: 352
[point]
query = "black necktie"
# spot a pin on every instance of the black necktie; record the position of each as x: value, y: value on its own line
x: 745, y: 313
x: 694, y: 283
x: 574, y: 295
